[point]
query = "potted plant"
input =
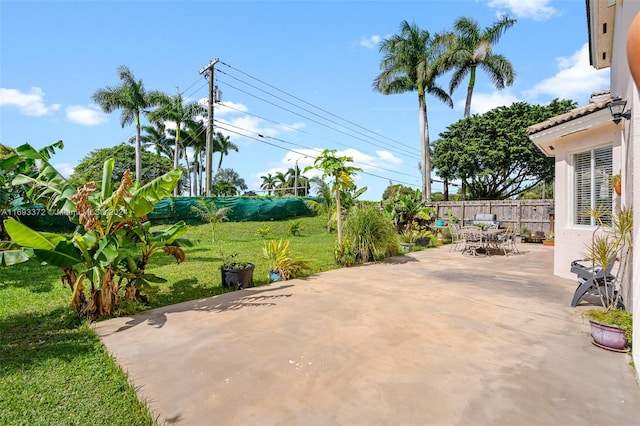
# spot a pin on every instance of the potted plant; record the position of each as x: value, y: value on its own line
x: 234, y: 273
x: 423, y: 236
x: 610, y: 324
x: 616, y: 183
x: 408, y: 240
x: 282, y: 266
x: 549, y: 240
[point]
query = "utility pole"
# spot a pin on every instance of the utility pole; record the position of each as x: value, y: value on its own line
x: 208, y: 73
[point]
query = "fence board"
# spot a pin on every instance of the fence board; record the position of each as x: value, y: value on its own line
x: 535, y: 215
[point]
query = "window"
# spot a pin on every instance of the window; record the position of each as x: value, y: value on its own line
x: 592, y: 171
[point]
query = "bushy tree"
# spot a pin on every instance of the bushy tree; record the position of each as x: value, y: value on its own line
x: 90, y: 168
x: 491, y: 153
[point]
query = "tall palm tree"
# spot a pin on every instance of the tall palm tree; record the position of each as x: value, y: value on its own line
x: 132, y: 98
x: 223, y: 144
x: 174, y: 109
x: 471, y: 48
x: 196, y: 138
x: 268, y: 183
x: 411, y: 63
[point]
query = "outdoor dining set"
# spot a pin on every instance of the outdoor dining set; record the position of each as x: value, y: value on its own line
x: 474, y: 240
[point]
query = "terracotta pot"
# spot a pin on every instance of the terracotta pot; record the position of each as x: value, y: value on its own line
x: 608, y: 336
x: 633, y: 49
x: 617, y: 186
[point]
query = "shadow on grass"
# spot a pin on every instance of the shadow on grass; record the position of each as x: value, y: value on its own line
x: 30, y: 275
x: 35, y: 338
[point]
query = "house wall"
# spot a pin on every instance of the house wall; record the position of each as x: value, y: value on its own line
x: 622, y: 85
x: 571, y: 239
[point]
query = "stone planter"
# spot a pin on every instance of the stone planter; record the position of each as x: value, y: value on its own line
x: 237, y: 277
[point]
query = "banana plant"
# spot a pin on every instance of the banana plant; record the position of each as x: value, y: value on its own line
x: 112, y: 244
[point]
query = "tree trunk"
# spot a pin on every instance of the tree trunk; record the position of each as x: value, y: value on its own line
x: 138, y: 150
x: 472, y: 83
x: 176, y: 156
x: 425, y: 156
x: 339, y: 214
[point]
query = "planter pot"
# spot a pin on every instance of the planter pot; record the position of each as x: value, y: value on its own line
x: 423, y: 242
x: 440, y: 223
x: 617, y: 186
x: 237, y: 277
x: 275, y: 276
x: 548, y: 243
x: 406, y: 247
x: 608, y: 336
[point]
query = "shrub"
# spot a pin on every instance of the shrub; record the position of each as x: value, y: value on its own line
x: 372, y: 235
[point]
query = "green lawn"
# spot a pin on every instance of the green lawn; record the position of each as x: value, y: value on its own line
x: 54, y: 369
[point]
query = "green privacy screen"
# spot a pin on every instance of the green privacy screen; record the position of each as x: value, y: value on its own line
x: 174, y: 209
x: 243, y: 209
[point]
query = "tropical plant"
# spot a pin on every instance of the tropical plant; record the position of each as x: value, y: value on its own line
x: 470, y: 48
x: 342, y: 175
x: 324, y: 206
x: 155, y: 139
x: 14, y: 162
x: 174, y: 110
x: 295, y: 227
x: 280, y: 260
x: 263, y: 231
x: 223, y: 144
x: 208, y: 212
x: 411, y: 63
x: 370, y: 233
x: 609, y: 244
x: 113, y: 244
x: 132, y: 98
x: 268, y: 183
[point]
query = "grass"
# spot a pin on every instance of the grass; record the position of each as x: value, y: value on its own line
x: 53, y: 367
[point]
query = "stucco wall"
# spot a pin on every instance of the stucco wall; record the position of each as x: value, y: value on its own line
x: 571, y: 239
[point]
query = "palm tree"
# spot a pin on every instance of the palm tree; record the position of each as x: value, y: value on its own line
x: 281, y: 181
x: 132, y: 98
x: 411, y: 62
x: 223, y: 144
x: 155, y: 137
x: 470, y: 48
x: 268, y: 183
x: 196, y: 138
x: 173, y: 108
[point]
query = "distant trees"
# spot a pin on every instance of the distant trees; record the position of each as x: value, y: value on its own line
x: 91, y: 166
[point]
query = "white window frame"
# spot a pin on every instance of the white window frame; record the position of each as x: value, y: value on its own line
x: 602, y: 183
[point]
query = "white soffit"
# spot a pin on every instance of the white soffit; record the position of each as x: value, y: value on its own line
x: 548, y: 139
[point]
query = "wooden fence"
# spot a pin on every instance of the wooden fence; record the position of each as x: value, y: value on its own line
x: 535, y: 215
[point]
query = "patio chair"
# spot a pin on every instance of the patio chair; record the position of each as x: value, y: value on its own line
x: 456, y: 236
x: 506, y: 242
x: 472, y: 240
x: 592, y: 277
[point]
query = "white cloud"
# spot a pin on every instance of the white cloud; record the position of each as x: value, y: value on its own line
x: 370, y: 42
x: 86, y: 116
x: 483, y: 102
x: 65, y: 169
x: 575, y: 79
x: 31, y: 103
x: 538, y: 10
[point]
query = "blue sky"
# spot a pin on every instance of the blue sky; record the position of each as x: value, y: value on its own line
x: 299, y: 73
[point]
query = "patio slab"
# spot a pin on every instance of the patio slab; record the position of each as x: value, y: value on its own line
x: 431, y: 338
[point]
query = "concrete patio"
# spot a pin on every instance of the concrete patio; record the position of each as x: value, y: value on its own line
x: 431, y: 338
